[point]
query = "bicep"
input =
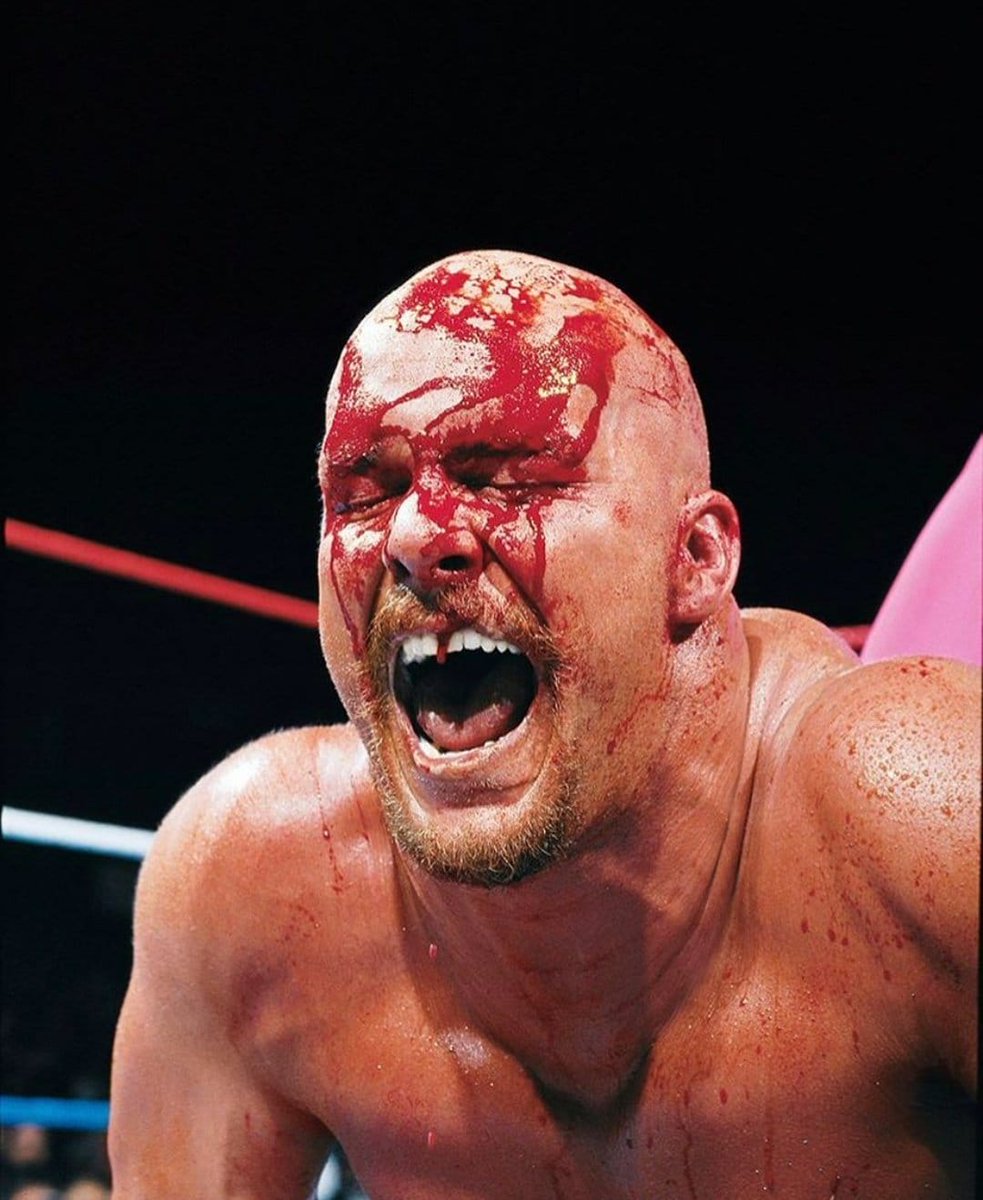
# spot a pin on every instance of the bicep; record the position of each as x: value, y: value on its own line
x: 191, y: 1115
x: 189, y: 1119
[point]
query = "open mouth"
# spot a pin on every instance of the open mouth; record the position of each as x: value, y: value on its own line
x: 462, y: 690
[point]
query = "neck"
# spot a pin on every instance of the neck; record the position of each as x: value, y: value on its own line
x: 577, y: 969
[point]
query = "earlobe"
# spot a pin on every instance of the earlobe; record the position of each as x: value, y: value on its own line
x: 708, y: 553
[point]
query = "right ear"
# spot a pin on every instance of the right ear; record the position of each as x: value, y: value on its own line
x: 707, y: 558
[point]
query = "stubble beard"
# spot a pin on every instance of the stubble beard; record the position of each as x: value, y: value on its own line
x: 483, y: 846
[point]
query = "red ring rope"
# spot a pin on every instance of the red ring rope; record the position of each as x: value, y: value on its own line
x: 49, y: 543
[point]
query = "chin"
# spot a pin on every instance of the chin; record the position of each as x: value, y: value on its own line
x: 498, y: 837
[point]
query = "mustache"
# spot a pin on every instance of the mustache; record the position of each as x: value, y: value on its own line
x: 402, y: 611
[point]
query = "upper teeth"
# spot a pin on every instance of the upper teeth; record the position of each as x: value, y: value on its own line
x: 419, y: 646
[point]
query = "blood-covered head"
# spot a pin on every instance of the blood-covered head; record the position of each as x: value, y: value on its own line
x: 515, y: 479
x: 497, y: 345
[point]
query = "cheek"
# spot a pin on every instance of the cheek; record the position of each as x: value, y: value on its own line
x: 623, y: 513
x: 518, y: 541
x: 536, y: 544
x: 349, y: 568
x: 607, y: 573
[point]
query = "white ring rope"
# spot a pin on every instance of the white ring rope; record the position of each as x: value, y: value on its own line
x: 71, y: 833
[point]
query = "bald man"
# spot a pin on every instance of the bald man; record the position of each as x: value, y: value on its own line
x: 609, y: 889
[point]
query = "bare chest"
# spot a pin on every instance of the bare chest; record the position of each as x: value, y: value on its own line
x: 732, y: 1107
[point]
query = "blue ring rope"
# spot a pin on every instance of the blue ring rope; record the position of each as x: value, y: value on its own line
x: 54, y: 1114
x: 71, y: 834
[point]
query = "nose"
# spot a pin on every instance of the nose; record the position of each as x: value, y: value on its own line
x: 428, y: 551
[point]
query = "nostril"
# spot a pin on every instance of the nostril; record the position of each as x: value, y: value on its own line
x: 400, y: 573
x: 454, y: 562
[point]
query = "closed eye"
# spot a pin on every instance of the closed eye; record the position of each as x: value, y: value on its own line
x: 363, y: 486
x: 526, y: 475
x: 511, y: 469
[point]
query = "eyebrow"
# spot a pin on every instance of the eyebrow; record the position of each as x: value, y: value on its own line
x: 358, y: 461
x: 327, y: 466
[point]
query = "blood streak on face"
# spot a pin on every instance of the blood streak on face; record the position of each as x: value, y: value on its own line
x: 533, y: 385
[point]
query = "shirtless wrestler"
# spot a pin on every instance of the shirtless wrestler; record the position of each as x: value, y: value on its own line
x: 609, y: 890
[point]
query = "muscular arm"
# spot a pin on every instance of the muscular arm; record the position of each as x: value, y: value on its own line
x: 191, y: 1115
x: 894, y: 749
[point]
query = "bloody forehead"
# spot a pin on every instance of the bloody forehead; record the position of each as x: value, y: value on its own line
x: 534, y: 346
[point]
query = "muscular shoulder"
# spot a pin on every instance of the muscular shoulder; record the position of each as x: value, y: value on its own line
x: 897, y: 742
x: 882, y: 768
x: 904, y: 732
x: 267, y: 793
x: 286, y: 823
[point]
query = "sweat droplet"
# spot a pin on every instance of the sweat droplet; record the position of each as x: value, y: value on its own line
x: 433, y: 951
x: 431, y: 1139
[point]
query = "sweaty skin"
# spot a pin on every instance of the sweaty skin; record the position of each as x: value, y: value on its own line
x: 609, y: 889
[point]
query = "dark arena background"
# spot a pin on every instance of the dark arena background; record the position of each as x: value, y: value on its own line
x: 205, y: 199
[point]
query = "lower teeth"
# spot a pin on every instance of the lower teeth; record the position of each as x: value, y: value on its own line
x: 431, y: 751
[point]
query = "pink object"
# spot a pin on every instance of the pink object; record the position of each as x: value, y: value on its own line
x: 934, y: 605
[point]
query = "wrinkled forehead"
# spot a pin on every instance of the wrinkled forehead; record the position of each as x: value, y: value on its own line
x: 502, y: 344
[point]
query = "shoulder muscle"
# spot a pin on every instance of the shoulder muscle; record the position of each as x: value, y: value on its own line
x: 890, y: 757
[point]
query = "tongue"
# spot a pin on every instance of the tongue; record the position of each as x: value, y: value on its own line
x: 486, y: 712
x: 485, y: 726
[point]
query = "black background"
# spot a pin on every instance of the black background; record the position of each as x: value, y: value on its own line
x: 205, y: 200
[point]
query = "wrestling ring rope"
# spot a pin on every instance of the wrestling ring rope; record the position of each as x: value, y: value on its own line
x: 93, y: 837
